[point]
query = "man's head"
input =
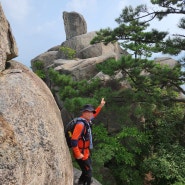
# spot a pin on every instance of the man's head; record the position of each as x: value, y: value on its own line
x: 88, y: 111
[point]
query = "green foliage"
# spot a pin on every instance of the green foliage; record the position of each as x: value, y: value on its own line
x: 40, y: 73
x: 75, y: 93
x: 132, y: 26
x: 121, y: 150
x: 68, y: 52
x: 39, y: 69
x: 148, y: 116
x: 154, y: 97
x: 167, y: 164
x: 159, y: 84
x: 104, y: 35
x: 129, y: 151
x: 169, y: 6
x: 182, y: 23
x: 68, y: 92
x: 87, y: 88
x: 175, y: 43
x: 38, y: 64
x: 108, y: 67
x: 60, y: 80
x: 132, y: 34
x: 73, y: 105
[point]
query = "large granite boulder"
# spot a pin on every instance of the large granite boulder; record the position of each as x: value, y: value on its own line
x: 8, y: 48
x: 77, y: 43
x: 81, y: 44
x: 80, y: 68
x: 33, y: 149
x: 74, y: 23
x: 170, y: 62
x: 48, y: 57
x: 32, y: 143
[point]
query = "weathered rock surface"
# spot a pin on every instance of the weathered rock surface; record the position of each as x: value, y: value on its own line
x: 74, y: 24
x: 81, y: 44
x: 166, y: 61
x: 48, y: 57
x: 8, y: 48
x: 32, y: 143
x: 77, y: 174
x: 80, y: 68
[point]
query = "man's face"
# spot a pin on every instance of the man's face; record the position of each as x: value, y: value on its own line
x: 87, y: 115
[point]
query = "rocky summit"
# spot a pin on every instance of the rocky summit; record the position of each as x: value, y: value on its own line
x: 83, y: 63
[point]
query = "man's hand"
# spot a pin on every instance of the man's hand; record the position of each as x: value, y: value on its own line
x: 81, y: 156
x: 102, y: 102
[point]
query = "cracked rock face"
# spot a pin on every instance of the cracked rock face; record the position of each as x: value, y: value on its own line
x: 32, y: 143
x: 8, y: 48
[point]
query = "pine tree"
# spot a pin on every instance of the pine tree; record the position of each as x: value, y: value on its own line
x: 132, y: 35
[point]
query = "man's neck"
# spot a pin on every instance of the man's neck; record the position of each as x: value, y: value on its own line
x: 85, y: 119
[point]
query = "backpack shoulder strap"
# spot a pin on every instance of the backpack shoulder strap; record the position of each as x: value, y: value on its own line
x: 82, y: 120
x: 77, y: 120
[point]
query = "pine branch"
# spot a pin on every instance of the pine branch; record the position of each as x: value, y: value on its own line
x: 180, y: 100
x: 179, y: 88
x: 178, y: 35
x: 155, y: 14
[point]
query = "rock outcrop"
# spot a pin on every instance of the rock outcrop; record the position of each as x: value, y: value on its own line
x: 166, y: 61
x: 33, y: 149
x: 87, y: 56
x: 83, y: 65
x: 77, y: 173
x: 75, y: 24
x: 8, y: 47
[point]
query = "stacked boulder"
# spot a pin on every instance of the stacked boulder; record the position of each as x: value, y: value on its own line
x: 83, y: 65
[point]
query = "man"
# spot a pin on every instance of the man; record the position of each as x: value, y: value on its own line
x: 82, y: 142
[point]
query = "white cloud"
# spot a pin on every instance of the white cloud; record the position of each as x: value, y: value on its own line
x: 17, y: 10
x: 81, y: 5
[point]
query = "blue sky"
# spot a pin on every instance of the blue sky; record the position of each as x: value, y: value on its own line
x: 38, y: 25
